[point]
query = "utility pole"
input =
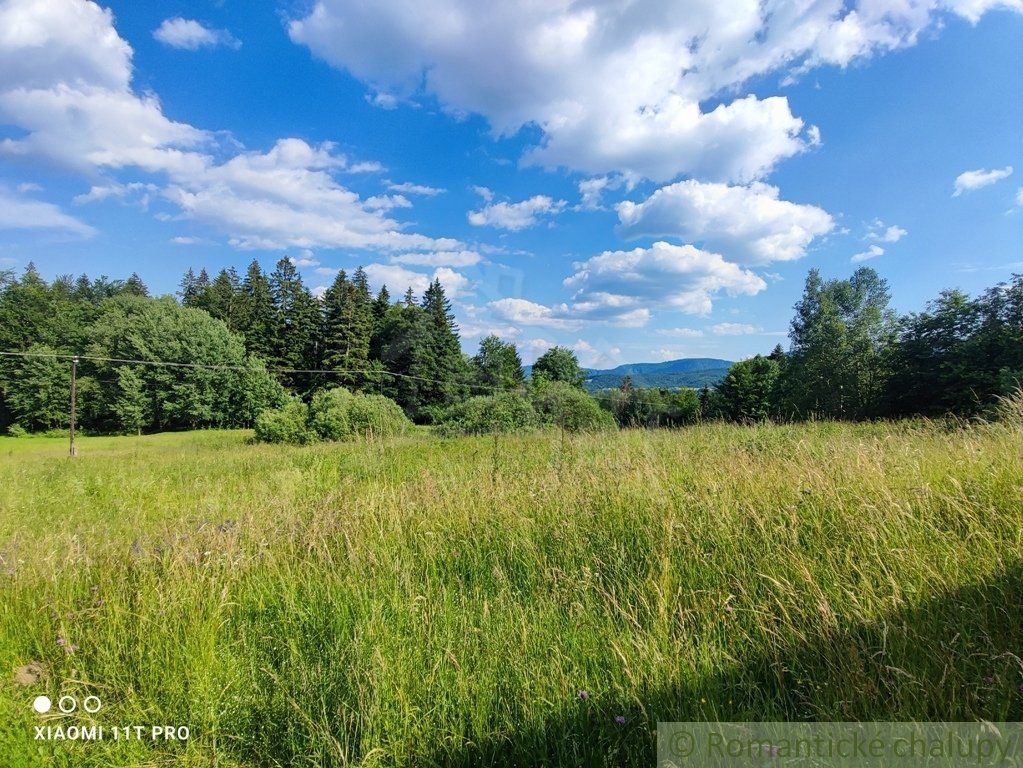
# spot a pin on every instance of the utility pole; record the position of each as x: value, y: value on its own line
x: 74, y: 386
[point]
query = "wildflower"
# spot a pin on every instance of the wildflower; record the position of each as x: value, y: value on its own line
x: 584, y: 694
x: 620, y: 719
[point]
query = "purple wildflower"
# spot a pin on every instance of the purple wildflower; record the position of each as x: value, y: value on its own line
x: 584, y: 694
x: 620, y: 719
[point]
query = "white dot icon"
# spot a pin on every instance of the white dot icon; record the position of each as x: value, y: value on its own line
x: 42, y: 704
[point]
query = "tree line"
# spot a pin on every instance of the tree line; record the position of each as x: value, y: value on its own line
x: 242, y: 344
x: 851, y: 357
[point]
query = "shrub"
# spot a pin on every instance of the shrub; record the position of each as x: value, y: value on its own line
x: 503, y: 412
x: 560, y: 404
x: 16, y: 430
x: 377, y: 415
x: 286, y: 425
x: 338, y: 414
x: 330, y: 414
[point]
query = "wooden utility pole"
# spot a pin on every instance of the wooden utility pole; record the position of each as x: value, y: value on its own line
x: 74, y: 386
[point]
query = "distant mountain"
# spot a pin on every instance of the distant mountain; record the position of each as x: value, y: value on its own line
x: 692, y: 372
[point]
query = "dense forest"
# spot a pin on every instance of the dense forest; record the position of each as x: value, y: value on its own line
x: 235, y: 346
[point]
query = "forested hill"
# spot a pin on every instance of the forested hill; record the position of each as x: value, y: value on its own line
x: 692, y: 372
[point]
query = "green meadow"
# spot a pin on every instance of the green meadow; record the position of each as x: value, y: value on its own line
x: 526, y: 600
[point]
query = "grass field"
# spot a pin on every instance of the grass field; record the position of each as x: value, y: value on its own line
x: 444, y: 602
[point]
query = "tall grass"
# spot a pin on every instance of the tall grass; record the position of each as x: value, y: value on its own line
x: 445, y: 602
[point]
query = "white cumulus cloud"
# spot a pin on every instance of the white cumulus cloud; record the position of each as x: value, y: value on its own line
x: 619, y: 87
x: 190, y: 35
x: 65, y: 82
x: 680, y: 277
x: 516, y: 216
x: 527, y: 312
x: 398, y: 280
x: 885, y: 233
x: 747, y: 224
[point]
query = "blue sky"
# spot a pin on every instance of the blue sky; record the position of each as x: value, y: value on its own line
x: 640, y: 181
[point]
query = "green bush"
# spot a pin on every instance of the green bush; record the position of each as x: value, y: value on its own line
x: 376, y: 415
x: 16, y: 430
x: 562, y: 405
x: 503, y: 412
x: 335, y: 414
x: 286, y: 425
x: 329, y: 416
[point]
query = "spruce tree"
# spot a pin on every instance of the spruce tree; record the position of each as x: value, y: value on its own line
x: 348, y: 327
x: 188, y: 289
x: 256, y: 314
x: 223, y: 300
x: 134, y: 286
x: 445, y: 364
x: 296, y: 325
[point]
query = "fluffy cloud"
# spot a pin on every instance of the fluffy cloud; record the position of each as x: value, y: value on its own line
x: 287, y: 197
x: 747, y: 224
x: 477, y: 330
x: 190, y: 35
x: 680, y: 277
x: 18, y: 212
x: 516, y: 216
x: 618, y: 87
x: 398, y: 279
x: 1019, y: 196
x: 971, y: 180
x: 884, y: 233
x: 591, y: 191
x: 65, y: 82
x: 871, y: 253
x: 527, y: 312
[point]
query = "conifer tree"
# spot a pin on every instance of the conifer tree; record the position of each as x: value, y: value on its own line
x: 188, y: 288
x: 223, y: 299
x: 445, y: 364
x: 256, y: 313
x: 348, y: 327
x: 296, y: 324
x: 134, y: 286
